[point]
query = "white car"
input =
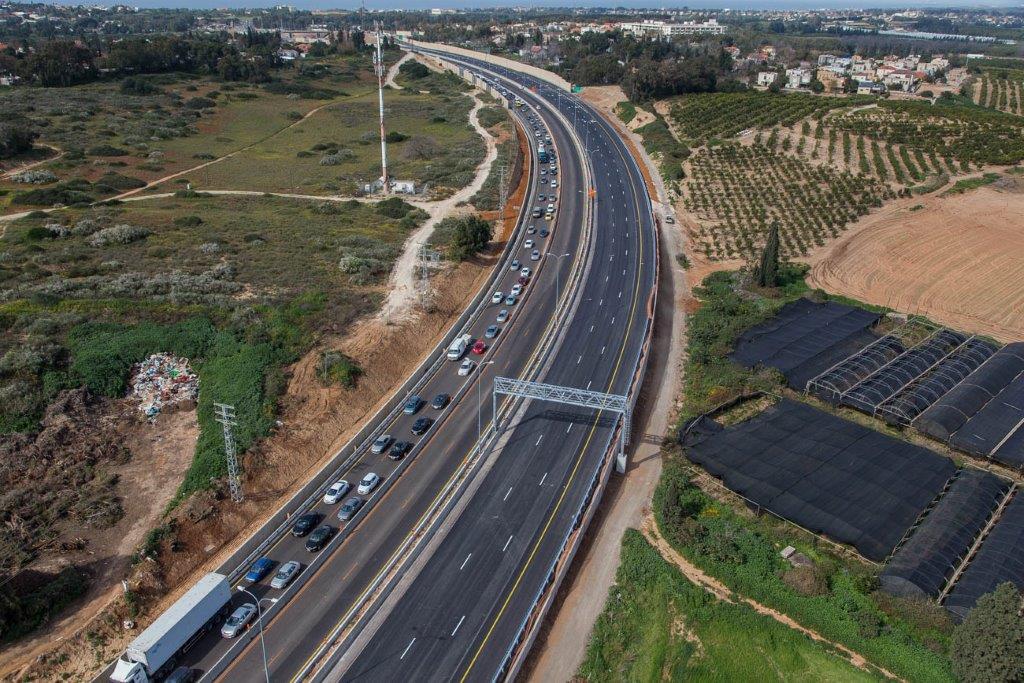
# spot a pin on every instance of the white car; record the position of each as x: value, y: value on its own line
x: 368, y: 483
x: 238, y: 620
x: 535, y: 255
x: 466, y: 367
x: 502, y: 315
x: 336, y: 492
x: 554, y: 184
x: 551, y: 207
x: 497, y: 297
x: 287, y: 572
x: 528, y: 244
x: 517, y: 289
x: 525, y: 272
x: 515, y: 264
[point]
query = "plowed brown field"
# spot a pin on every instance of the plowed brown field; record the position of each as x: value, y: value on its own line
x: 958, y: 260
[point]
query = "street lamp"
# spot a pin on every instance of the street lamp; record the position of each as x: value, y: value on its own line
x: 479, y: 384
x: 259, y: 618
x: 558, y: 279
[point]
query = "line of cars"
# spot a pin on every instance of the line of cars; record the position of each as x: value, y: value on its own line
x: 311, y: 525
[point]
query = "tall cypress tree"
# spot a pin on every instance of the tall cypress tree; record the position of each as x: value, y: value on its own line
x: 767, y: 273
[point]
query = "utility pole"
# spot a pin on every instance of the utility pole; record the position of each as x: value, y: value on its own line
x: 378, y: 62
x: 226, y: 417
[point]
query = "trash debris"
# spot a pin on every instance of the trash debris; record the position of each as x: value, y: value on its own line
x: 164, y: 382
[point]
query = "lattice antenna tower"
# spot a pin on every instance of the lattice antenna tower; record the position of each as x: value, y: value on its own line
x: 226, y: 417
x: 378, y: 65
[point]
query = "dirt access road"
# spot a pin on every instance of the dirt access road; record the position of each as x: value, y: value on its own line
x: 958, y: 259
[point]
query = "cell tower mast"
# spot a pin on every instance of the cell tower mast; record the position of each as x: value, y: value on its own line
x: 378, y: 61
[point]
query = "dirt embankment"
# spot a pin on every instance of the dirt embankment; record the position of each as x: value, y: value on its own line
x: 957, y: 259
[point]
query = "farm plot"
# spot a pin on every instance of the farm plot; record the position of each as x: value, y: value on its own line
x: 724, y: 115
x: 337, y: 149
x: 951, y: 131
x: 737, y: 192
x: 958, y: 260
x: 1001, y: 89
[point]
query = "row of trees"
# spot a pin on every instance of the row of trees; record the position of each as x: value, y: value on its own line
x: 252, y: 57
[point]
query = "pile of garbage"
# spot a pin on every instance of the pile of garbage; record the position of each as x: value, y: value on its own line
x: 163, y: 383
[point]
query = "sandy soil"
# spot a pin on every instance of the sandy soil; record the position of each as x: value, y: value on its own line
x: 161, y: 453
x: 958, y: 260
x: 724, y: 593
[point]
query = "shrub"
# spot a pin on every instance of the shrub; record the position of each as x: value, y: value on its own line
x: 394, y: 207
x: 23, y: 611
x: 413, y: 70
x: 337, y: 157
x: 200, y: 103
x: 118, y: 234
x: 34, y: 177
x: 394, y: 136
x: 15, y: 138
x: 120, y: 182
x: 48, y: 196
x: 135, y: 85
x: 106, y: 151
x: 337, y: 368
x: 188, y: 221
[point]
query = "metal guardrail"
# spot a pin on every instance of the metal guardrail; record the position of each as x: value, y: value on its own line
x: 445, y: 501
x: 516, y: 654
x: 569, y: 300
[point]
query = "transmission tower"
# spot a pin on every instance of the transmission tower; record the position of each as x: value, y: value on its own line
x: 378, y: 64
x: 226, y: 417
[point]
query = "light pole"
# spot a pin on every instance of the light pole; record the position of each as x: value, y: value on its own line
x: 259, y: 618
x: 558, y: 278
x: 479, y: 384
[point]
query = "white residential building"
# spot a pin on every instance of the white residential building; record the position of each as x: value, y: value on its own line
x: 664, y: 29
x: 766, y: 78
x: 798, y: 78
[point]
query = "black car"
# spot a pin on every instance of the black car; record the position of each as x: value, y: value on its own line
x: 304, y: 524
x: 399, y: 450
x: 350, y: 508
x: 544, y: 232
x: 318, y: 539
x: 421, y: 425
x: 440, y: 401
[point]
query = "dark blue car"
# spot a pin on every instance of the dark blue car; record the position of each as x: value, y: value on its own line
x: 259, y: 569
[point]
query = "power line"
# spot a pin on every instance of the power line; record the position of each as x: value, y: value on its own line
x: 226, y: 417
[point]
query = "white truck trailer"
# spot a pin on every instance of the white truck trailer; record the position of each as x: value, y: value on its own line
x: 154, y: 653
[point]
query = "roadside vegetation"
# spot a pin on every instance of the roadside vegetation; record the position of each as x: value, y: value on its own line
x: 242, y: 286
x: 659, y: 626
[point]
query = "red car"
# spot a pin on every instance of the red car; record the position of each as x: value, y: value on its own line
x: 479, y: 347
x: 523, y: 281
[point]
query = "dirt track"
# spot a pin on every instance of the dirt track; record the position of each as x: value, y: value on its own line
x: 958, y: 260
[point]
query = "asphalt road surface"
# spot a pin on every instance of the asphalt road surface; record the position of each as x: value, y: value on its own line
x: 463, y: 612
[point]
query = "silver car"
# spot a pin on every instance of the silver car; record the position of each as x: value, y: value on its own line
x: 284, y: 576
x: 238, y: 620
x: 381, y: 444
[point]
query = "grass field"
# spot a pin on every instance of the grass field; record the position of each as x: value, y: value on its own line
x: 433, y: 143
x: 658, y: 626
x: 184, y: 120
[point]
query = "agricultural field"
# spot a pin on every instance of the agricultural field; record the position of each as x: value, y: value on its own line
x: 242, y: 286
x: 1000, y: 89
x: 957, y: 259
x: 659, y: 626
x: 738, y: 191
x: 951, y: 131
x: 703, y: 117
x: 105, y: 138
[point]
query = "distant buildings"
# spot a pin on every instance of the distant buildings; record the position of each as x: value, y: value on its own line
x: 663, y: 29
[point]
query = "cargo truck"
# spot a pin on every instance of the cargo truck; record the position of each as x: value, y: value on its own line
x: 154, y: 653
x: 458, y: 347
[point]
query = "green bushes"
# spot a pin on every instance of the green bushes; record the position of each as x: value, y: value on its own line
x: 337, y: 368
x: 48, y: 196
x: 23, y: 611
x: 744, y: 554
x: 413, y: 70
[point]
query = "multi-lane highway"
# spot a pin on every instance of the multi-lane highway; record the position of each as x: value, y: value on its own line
x: 462, y: 615
x: 466, y: 606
